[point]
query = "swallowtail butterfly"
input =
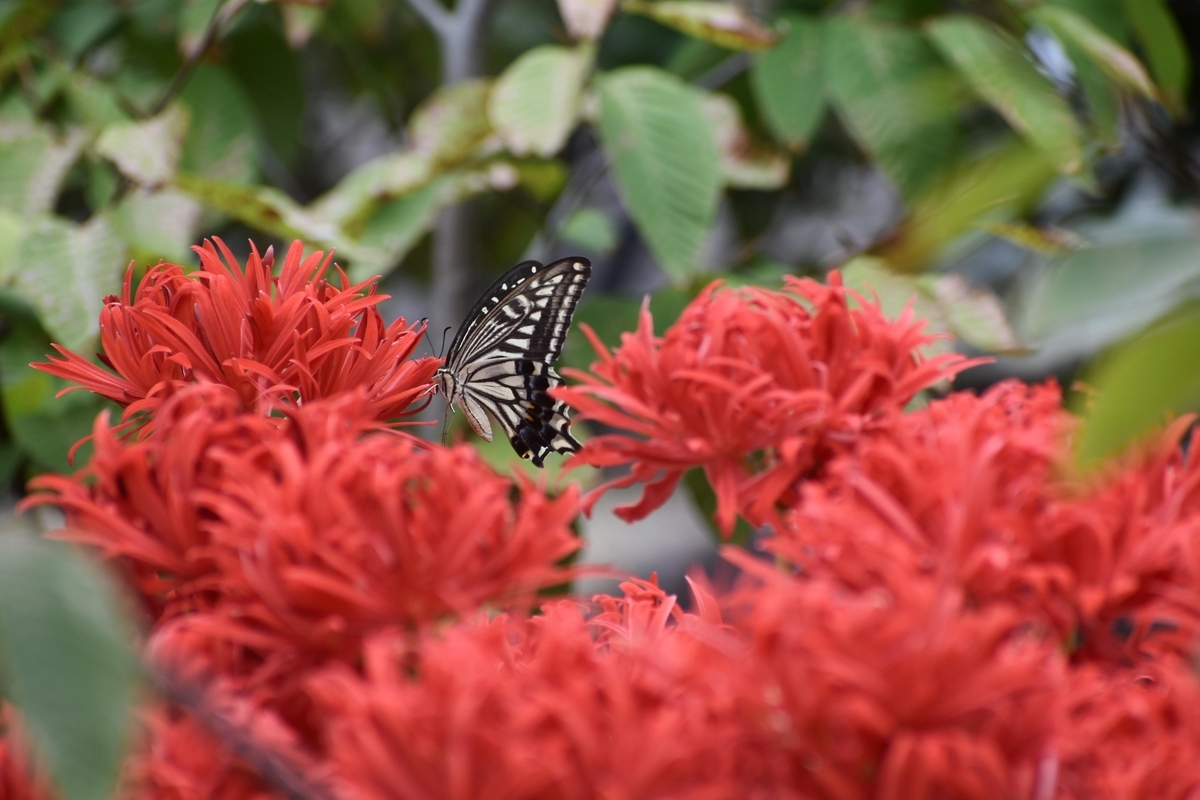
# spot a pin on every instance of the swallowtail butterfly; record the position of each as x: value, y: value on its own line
x: 499, y: 361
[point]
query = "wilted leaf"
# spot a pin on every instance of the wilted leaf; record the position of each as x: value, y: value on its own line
x: 586, y: 19
x: 33, y: 163
x: 999, y: 70
x: 896, y: 96
x: 1140, y: 385
x: 993, y: 186
x: 724, y: 24
x: 65, y: 271
x: 378, y: 180
x: 452, y: 124
x: 534, y: 104
x: 66, y: 655
x: 745, y: 164
x: 147, y: 151
x: 1165, y: 49
x: 665, y: 159
x: 158, y: 223
x: 1117, y: 62
x: 787, y: 81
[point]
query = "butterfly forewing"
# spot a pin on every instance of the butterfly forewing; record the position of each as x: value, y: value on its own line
x: 500, y: 358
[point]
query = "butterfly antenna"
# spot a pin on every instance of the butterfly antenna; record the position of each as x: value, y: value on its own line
x: 447, y: 330
x: 425, y: 322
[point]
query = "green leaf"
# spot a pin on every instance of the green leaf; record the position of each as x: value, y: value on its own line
x: 665, y: 159
x: 265, y: 66
x: 899, y: 101
x: 194, y: 19
x: 65, y: 650
x: 1140, y: 385
x: 220, y: 142
x: 33, y: 163
x: 1117, y: 62
x: 787, y: 81
x: 1165, y: 49
x: 95, y: 102
x: 12, y: 231
x: 724, y: 24
x: 158, y: 224
x: 262, y: 207
x: 379, y: 180
x: 395, y: 227
x: 745, y: 164
x: 450, y: 126
x: 993, y: 187
x: 65, y: 271
x: 534, y: 104
x: 586, y: 19
x: 1000, y: 71
x: 591, y: 229
x: 147, y: 151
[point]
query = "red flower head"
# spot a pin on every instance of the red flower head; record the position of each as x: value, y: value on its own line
x: 20, y: 777
x: 756, y: 387
x: 274, y: 341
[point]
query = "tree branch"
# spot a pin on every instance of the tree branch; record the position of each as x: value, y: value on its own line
x: 435, y: 15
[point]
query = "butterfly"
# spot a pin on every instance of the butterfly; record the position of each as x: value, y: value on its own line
x: 499, y: 361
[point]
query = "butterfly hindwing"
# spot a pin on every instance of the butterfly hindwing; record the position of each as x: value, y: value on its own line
x: 499, y: 361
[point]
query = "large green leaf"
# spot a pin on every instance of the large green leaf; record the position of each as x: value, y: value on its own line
x: 66, y: 657
x: 33, y: 163
x: 146, y: 151
x: 220, y: 142
x: 723, y: 24
x: 263, y: 63
x: 1000, y: 71
x: 1164, y: 47
x: 787, y: 81
x: 898, y: 99
x: 262, y: 207
x: 534, y: 104
x: 1118, y: 63
x: 665, y: 159
x: 65, y: 271
x: 1140, y: 385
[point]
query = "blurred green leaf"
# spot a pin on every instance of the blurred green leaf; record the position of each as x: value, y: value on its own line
x: 12, y: 231
x: 262, y: 207
x: 999, y: 69
x: 787, y: 81
x: 65, y: 271
x: 157, y: 224
x: 379, y: 180
x: 194, y: 19
x: 534, y: 104
x: 265, y: 66
x: 724, y: 24
x: 745, y: 164
x: 1164, y: 47
x: 591, y: 229
x: 80, y: 25
x: 65, y: 648
x: 220, y: 139
x: 33, y: 163
x: 1117, y: 62
x: 990, y: 188
x: 665, y: 159
x: 1140, y: 385
x: 1048, y: 241
x: 1101, y: 95
x: 396, y: 226
x: 146, y: 151
x: 449, y: 127
x: 94, y: 101
x: 899, y: 101
x: 586, y: 19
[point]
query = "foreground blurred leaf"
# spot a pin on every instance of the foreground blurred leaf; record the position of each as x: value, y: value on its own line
x: 65, y: 271
x: 1117, y: 62
x: 724, y: 24
x: 1140, y: 385
x: 899, y: 101
x: 665, y: 159
x: 1164, y: 47
x: 33, y: 163
x: 745, y: 164
x: 787, y: 81
x: 451, y: 125
x: 998, y: 68
x: 534, y: 104
x: 146, y: 151
x: 67, y: 660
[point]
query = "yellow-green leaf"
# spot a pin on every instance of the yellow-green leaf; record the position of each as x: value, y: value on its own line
x: 724, y: 24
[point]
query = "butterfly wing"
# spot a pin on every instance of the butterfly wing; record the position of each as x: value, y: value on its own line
x: 501, y: 357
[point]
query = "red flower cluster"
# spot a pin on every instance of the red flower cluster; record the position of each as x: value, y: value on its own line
x: 950, y: 613
x: 274, y: 341
x: 756, y: 387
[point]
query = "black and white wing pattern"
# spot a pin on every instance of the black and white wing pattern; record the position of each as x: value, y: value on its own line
x: 499, y: 361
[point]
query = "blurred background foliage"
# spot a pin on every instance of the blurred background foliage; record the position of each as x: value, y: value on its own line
x: 1024, y: 169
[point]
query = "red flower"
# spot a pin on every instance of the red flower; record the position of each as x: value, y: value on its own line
x: 756, y: 387
x: 20, y: 777
x: 274, y: 341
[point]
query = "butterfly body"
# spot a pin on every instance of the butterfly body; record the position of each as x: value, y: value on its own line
x: 499, y: 364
